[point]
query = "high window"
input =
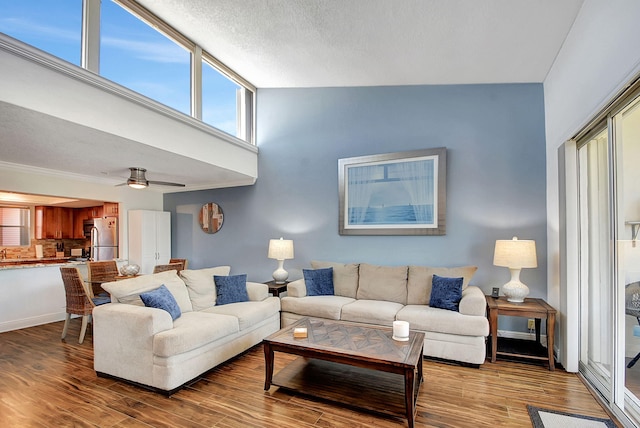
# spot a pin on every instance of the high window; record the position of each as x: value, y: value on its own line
x: 138, y: 57
x: 14, y: 226
x: 52, y: 26
x: 138, y: 51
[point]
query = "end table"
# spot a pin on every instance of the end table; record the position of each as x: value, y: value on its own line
x: 276, y: 289
x: 531, y: 308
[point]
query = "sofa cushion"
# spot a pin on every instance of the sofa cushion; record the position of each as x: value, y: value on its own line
x: 345, y: 277
x: 387, y: 283
x: 200, y: 285
x: 319, y: 282
x: 249, y: 313
x: 129, y: 290
x: 231, y: 289
x: 193, y: 330
x: 328, y: 307
x: 420, y: 277
x: 425, y: 318
x: 371, y: 312
x: 161, y: 298
x: 446, y: 293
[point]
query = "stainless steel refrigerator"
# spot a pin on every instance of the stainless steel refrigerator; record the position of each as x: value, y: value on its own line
x: 104, y: 238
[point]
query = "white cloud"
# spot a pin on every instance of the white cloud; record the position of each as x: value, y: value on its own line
x: 161, y: 52
x: 17, y: 26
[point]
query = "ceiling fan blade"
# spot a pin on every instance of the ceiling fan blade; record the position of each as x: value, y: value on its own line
x: 166, y: 183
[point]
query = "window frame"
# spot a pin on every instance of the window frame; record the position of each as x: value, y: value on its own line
x: 26, y: 227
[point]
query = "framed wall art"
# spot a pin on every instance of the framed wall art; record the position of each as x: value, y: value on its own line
x: 393, y: 194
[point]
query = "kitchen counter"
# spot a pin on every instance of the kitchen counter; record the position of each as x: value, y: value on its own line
x: 34, y: 263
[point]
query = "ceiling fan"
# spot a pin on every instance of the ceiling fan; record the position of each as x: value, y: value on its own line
x: 138, y: 180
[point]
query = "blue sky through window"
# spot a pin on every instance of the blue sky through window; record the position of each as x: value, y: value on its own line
x: 52, y: 26
x: 132, y: 54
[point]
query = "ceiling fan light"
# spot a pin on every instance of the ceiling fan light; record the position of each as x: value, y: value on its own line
x: 134, y: 185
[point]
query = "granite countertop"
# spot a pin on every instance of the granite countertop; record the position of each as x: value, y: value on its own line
x: 43, y: 262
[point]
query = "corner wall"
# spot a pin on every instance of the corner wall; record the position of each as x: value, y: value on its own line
x: 599, y: 57
x: 495, y: 180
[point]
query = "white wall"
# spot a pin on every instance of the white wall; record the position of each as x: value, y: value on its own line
x: 24, y: 180
x: 599, y: 57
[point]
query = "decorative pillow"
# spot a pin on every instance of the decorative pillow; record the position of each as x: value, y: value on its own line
x: 231, y: 289
x: 319, y: 282
x: 345, y: 277
x: 161, y: 298
x: 128, y: 290
x: 200, y: 285
x: 419, y: 281
x: 446, y: 293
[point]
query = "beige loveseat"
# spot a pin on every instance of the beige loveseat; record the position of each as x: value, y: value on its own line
x: 144, y: 345
x: 381, y: 294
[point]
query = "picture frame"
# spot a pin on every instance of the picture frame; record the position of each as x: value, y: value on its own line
x: 402, y: 193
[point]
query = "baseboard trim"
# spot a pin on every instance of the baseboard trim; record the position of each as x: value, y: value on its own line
x: 31, y: 322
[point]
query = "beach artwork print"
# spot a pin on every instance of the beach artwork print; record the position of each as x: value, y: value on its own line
x: 392, y: 196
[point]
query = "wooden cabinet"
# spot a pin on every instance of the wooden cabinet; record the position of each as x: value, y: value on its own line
x: 149, y: 239
x: 110, y: 209
x: 95, y: 212
x: 54, y: 223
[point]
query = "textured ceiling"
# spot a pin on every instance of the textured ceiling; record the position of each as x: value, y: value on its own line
x: 312, y: 43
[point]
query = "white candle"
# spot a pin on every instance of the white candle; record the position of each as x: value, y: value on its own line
x: 400, y: 330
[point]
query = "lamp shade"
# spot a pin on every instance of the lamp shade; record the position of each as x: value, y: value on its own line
x: 280, y: 249
x: 515, y: 253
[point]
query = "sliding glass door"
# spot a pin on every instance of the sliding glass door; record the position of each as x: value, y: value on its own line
x: 596, y: 345
x: 609, y: 213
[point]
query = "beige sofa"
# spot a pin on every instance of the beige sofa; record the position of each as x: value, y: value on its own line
x: 145, y: 346
x: 381, y: 294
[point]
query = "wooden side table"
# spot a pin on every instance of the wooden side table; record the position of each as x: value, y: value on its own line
x: 531, y: 308
x: 276, y: 289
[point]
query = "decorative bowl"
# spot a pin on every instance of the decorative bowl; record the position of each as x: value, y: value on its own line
x: 129, y: 270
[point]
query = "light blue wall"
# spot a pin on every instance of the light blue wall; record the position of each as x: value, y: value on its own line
x: 494, y: 135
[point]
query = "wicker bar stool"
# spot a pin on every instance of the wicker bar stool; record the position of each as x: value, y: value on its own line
x: 99, y: 272
x: 171, y: 266
x: 183, y: 261
x: 78, y: 300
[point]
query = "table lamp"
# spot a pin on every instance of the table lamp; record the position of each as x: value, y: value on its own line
x: 515, y: 254
x: 281, y: 250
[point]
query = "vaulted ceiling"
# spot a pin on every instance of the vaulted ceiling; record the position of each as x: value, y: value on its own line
x: 311, y: 43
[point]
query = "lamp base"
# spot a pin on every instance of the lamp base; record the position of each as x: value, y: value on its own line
x: 280, y: 275
x: 515, y: 291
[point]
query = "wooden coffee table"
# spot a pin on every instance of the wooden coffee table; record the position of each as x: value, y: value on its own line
x: 350, y: 363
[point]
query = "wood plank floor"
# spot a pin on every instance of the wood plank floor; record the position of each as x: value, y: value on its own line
x: 47, y: 382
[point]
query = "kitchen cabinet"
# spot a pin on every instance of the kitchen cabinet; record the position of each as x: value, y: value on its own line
x: 95, y: 212
x: 149, y: 238
x: 110, y: 209
x: 54, y: 222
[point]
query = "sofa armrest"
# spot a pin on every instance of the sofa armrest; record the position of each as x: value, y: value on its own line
x: 123, y: 339
x: 297, y: 288
x: 473, y: 301
x: 257, y: 291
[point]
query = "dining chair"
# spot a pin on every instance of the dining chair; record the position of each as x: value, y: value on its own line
x: 99, y: 272
x: 171, y: 266
x: 78, y: 300
x: 632, y: 307
x: 183, y: 261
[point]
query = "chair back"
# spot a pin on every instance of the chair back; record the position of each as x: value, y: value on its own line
x: 171, y: 266
x: 104, y: 271
x: 183, y: 261
x: 632, y: 299
x: 78, y: 300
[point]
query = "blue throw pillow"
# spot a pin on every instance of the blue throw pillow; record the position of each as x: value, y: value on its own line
x: 162, y: 298
x: 319, y: 282
x: 446, y: 293
x: 231, y: 289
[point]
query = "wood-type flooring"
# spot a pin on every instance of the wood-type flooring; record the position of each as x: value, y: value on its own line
x: 46, y: 382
